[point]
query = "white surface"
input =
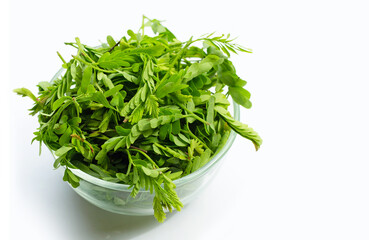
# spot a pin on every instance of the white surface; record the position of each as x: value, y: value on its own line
x: 5, y: 121
x: 308, y: 77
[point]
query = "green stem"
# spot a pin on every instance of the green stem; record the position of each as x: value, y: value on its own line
x: 146, y: 156
x: 130, y: 162
x: 92, y: 65
x: 134, y: 147
x: 98, y: 87
x: 112, y: 48
x: 191, y: 113
x: 179, y: 55
x: 171, y: 151
x: 60, y: 56
x: 80, y: 50
x: 188, y: 131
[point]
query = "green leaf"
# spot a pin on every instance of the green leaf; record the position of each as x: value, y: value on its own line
x: 210, y: 113
x: 175, y: 175
x: 135, y: 105
x: 86, y: 79
x: 173, y: 84
x: 131, y: 34
x: 150, y: 172
x: 158, y: 210
x: 60, y: 128
x: 106, y: 120
x: 202, y: 67
x: 65, y: 138
x: 71, y: 175
x: 44, y: 85
x: 59, y: 102
x: 121, y: 176
x: 152, y: 106
x: 103, y: 173
x: 164, y: 131
x: 228, y: 78
x: 71, y: 178
x: 62, y: 151
x: 24, y: 92
x: 177, y: 154
x: 110, y: 144
x: 57, y: 161
x: 129, y: 76
x: 205, y: 157
x: 114, y: 90
x: 240, y: 128
x: 75, y: 121
x: 90, y: 89
x: 107, y: 82
x: 177, y: 141
x: 76, y: 72
x: 110, y: 41
x: 118, y: 100
x: 240, y: 96
x: 114, y: 60
x: 121, y: 143
x: 100, y: 98
x: 196, y: 69
x: 154, y: 51
x: 144, y: 124
x: 122, y: 131
x: 183, y: 138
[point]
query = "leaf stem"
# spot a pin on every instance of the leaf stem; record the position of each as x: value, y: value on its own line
x: 91, y: 64
x: 188, y: 131
x: 60, y: 56
x: 98, y: 87
x: 191, y: 113
x: 178, y: 56
x: 81, y: 51
x: 111, y: 49
x: 134, y: 147
x: 130, y: 162
x: 146, y: 156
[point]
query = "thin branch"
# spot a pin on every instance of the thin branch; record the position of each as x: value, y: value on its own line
x: 137, y: 148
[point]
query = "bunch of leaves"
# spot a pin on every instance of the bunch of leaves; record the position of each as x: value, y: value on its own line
x: 142, y: 110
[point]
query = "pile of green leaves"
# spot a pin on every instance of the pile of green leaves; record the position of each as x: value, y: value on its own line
x: 142, y: 110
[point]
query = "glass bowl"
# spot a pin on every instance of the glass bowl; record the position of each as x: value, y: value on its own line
x: 115, y: 197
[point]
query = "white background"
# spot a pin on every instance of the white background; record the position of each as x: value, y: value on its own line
x: 308, y: 77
